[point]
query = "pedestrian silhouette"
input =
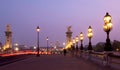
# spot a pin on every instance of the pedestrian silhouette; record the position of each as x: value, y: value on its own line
x: 64, y: 51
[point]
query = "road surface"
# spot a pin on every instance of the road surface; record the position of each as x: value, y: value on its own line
x: 53, y: 62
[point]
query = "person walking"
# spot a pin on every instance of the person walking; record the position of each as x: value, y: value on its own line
x: 64, y: 51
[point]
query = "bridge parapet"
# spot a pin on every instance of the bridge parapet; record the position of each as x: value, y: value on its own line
x: 105, y: 59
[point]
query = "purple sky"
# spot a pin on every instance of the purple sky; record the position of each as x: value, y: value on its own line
x: 53, y: 17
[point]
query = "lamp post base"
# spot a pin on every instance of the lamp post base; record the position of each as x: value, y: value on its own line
x: 108, y: 46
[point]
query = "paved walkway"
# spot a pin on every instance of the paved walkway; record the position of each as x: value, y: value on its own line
x: 53, y: 62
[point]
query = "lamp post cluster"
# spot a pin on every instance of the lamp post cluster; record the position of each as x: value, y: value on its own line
x: 81, y: 37
x: 107, y: 28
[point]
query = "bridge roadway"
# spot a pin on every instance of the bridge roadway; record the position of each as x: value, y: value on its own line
x: 54, y: 62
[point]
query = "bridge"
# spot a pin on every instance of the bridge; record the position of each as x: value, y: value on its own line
x: 83, y: 61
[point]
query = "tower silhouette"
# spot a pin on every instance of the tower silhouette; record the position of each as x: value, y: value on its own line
x: 68, y: 37
x: 8, y: 41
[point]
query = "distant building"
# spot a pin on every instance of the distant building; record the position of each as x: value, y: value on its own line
x: 23, y: 47
x: 51, y: 48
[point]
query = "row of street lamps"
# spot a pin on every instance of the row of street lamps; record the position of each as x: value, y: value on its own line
x: 107, y: 28
x: 76, y: 39
x: 38, y: 30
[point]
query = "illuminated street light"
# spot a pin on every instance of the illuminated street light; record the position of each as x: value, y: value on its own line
x: 16, y: 49
x: 73, y: 41
x: 90, y: 35
x: 76, y: 40
x: 47, y: 44
x: 38, y: 30
x: 73, y: 46
x: 107, y: 28
x: 81, y: 39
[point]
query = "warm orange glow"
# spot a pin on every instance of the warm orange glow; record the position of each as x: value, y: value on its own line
x: 68, y: 45
x: 16, y: 49
x: 81, y: 36
x: 73, y: 41
x: 90, y: 34
x: 76, y: 39
x: 117, y: 49
x: 107, y: 18
x: 89, y: 30
x: 107, y: 22
x: 6, y: 46
x: 23, y: 52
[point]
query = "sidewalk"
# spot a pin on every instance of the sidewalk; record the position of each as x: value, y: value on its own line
x: 53, y: 62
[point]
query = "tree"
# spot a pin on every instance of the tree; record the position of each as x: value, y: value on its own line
x: 116, y: 45
x: 99, y: 46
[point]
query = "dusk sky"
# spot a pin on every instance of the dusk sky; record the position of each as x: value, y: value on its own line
x: 54, y: 16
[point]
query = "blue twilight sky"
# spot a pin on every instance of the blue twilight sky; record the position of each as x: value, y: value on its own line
x: 53, y: 17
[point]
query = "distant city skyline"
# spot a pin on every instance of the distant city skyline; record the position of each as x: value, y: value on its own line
x: 54, y: 16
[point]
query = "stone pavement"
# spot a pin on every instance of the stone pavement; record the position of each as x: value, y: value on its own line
x: 53, y: 62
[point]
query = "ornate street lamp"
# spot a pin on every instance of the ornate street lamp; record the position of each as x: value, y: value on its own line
x: 107, y: 28
x: 81, y: 39
x: 76, y: 40
x: 38, y: 30
x: 73, y: 46
x: 90, y: 35
x: 47, y: 44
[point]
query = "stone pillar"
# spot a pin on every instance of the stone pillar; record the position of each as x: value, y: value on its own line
x: 68, y: 37
x: 8, y: 34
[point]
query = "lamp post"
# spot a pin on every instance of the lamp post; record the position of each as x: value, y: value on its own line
x: 73, y: 46
x: 73, y: 42
x: 76, y: 40
x: 90, y: 35
x: 107, y: 28
x: 38, y: 30
x: 47, y: 44
x: 81, y: 39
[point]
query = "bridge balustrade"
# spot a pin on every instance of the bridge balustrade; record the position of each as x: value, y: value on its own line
x: 102, y: 58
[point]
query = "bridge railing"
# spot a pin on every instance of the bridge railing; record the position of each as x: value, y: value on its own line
x: 102, y: 58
